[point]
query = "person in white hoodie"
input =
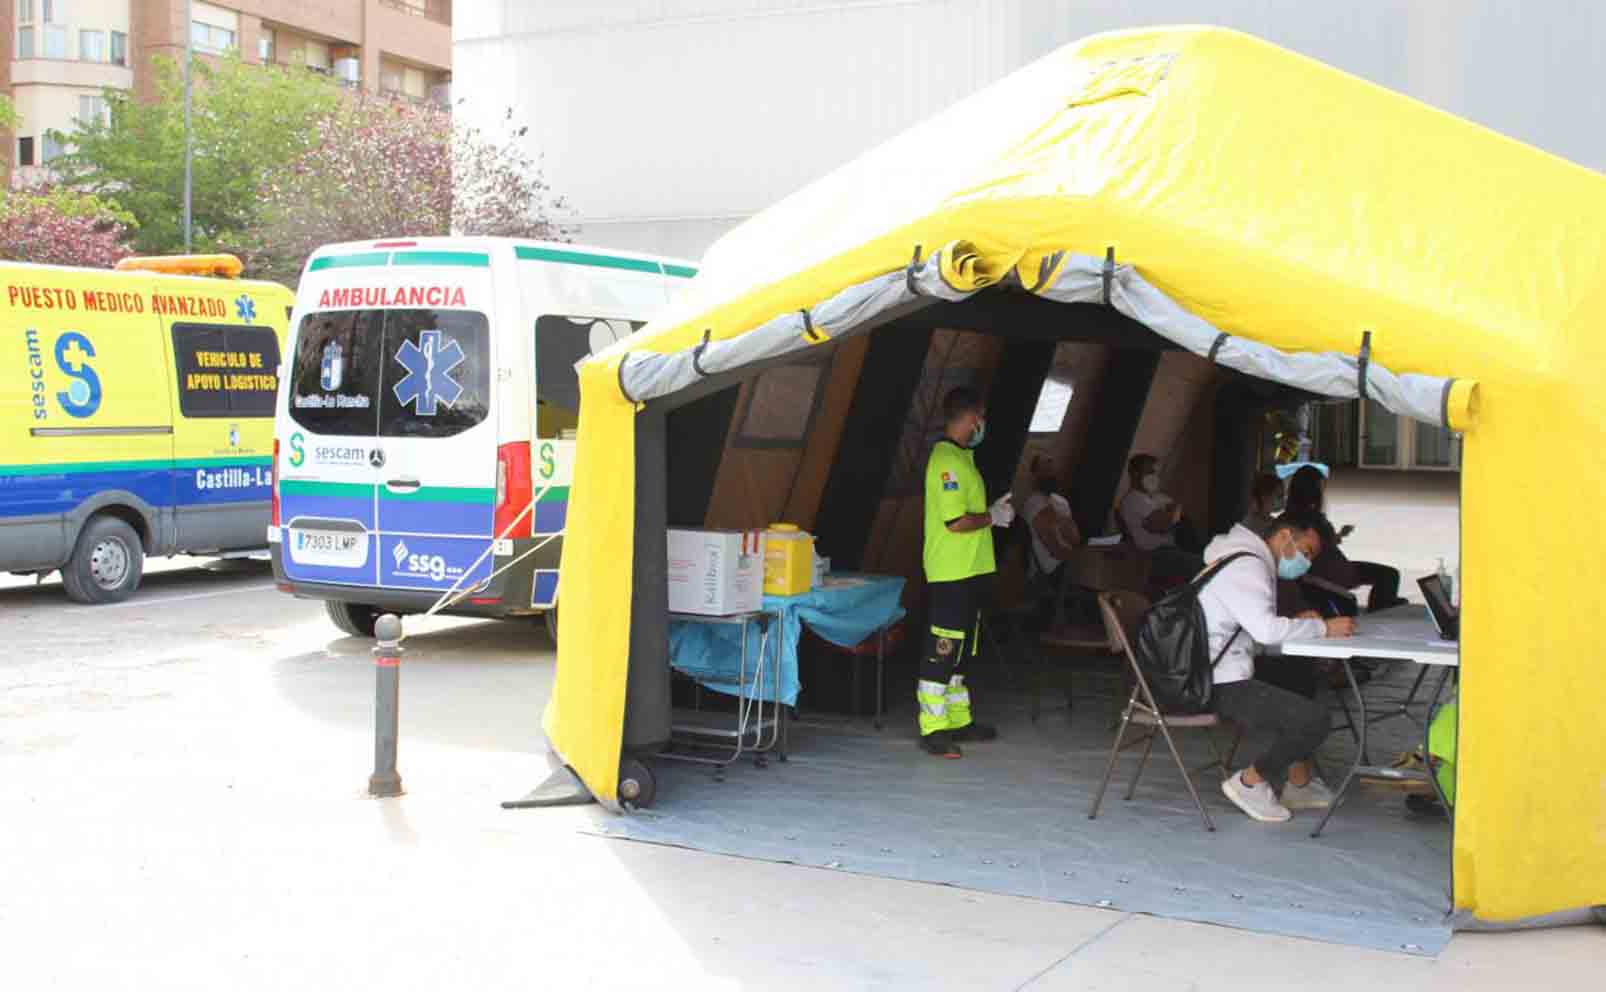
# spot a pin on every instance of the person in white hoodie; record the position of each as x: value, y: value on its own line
x: 1240, y: 609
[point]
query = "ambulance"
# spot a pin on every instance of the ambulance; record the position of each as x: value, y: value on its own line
x: 136, y: 416
x: 426, y: 420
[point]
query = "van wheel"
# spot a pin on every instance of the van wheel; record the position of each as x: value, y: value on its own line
x: 353, y: 619
x: 106, y: 564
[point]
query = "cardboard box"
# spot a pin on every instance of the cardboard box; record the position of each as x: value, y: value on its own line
x: 715, y: 572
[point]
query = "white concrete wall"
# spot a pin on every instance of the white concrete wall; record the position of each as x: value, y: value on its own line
x: 666, y: 122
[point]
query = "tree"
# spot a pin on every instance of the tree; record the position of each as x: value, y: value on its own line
x: 380, y: 169
x: 246, y: 121
x: 62, y: 227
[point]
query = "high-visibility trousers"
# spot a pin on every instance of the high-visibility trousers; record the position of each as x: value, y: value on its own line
x: 952, y: 639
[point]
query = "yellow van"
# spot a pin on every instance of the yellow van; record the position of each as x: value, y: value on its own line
x: 136, y: 416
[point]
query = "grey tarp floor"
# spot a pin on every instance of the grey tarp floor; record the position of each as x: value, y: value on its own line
x: 1012, y: 818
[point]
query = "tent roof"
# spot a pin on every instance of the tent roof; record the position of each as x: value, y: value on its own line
x: 1272, y: 196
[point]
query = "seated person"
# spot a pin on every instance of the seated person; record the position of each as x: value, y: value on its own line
x: 1153, y: 521
x: 1240, y: 610
x: 1265, y: 501
x: 1054, y: 532
x: 1306, y: 495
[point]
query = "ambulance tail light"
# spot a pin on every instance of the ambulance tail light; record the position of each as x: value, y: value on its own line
x: 513, y: 490
x: 274, y: 520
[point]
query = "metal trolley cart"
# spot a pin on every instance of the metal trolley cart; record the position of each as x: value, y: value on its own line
x: 759, y: 723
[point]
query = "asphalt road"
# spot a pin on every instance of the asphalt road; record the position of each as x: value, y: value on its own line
x: 182, y: 806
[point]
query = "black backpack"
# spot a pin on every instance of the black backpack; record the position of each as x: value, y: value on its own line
x: 1172, y: 647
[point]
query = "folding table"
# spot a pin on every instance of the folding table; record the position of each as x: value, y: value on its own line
x: 1404, y: 633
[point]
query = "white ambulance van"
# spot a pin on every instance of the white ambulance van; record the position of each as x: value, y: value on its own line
x: 136, y: 416
x: 428, y: 395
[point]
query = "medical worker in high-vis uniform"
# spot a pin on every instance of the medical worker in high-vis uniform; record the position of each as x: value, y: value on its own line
x: 959, y: 566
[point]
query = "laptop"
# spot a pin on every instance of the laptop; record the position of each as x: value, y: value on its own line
x: 1445, y: 615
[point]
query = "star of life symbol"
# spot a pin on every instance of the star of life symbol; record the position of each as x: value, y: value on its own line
x: 246, y: 308
x: 429, y: 366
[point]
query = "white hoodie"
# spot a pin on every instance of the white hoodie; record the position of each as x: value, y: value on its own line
x: 1244, y: 596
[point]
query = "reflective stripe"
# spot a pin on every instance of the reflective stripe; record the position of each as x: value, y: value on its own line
x: 953, y: 635
x: 933, y: 705
x: 955, y: 681
x: 960, y: 695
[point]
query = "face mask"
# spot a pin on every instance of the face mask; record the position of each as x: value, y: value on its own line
x: 978, y: 434
x: 1293, y: 568
x: 1151, y: 482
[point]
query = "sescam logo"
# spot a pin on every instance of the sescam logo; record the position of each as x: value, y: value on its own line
x: 82, y: 396
x: 432, y: 566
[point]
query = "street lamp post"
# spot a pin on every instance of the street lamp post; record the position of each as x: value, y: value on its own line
x: 189, y: 54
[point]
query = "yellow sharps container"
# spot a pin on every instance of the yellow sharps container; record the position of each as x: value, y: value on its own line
x: 788, y: 560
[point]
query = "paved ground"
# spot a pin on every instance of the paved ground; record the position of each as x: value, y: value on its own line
x: 182, y: 808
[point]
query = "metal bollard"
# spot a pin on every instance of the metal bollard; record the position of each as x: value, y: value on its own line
x: 385, y: 782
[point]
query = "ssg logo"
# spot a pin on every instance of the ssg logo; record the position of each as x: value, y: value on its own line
x: 433, y: 566
x: 429, y: 366
x: 82, y: 396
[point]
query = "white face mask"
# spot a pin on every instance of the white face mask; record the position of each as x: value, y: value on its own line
x: 1151, y: 482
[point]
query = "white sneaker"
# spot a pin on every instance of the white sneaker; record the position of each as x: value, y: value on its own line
x: 1312, y: 795
x: 1258, y: 801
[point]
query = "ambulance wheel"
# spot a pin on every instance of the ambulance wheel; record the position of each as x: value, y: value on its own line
x: 637, y: 786
x: 106, y: 564
x: 353, y: 619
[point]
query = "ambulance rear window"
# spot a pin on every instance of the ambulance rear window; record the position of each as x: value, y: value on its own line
x: 391, y: 373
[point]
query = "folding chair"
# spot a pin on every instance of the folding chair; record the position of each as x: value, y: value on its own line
x: 1121, y: 612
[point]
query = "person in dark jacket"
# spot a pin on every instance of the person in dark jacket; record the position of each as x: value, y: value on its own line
x: 1307, y: 495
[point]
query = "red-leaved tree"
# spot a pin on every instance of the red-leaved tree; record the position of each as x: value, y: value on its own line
x: 61, y: 227
x: 378, y: 169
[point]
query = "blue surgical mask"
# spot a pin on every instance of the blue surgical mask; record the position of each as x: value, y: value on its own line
x: 978, y: 434
x: 1293, y: 568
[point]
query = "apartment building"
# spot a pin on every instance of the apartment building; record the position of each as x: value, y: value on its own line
x: 66, y: 53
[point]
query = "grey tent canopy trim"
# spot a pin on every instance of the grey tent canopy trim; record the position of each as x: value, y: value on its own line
x: 861, y: 308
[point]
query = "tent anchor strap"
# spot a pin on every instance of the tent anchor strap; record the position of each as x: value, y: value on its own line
x: 697, y: 352
x: 1109, y: 272
x: 909, y: 274
x: 561, y: 788
x: 1215, y: 346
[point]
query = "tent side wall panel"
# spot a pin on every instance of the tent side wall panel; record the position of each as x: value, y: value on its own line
x: 1113, y: 422
x: 694, y: 462
x: 893, y: 361
x: 1179, y: 382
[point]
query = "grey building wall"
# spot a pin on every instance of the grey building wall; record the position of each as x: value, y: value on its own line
x: 666, y: 122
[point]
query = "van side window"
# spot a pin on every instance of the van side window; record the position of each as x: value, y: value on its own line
x: 560, y: 342
x: 225, y: 371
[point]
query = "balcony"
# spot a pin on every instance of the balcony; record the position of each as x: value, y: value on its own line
x: 439, y: 11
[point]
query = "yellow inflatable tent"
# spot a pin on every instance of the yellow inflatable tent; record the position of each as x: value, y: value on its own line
x: 1253, y: 207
